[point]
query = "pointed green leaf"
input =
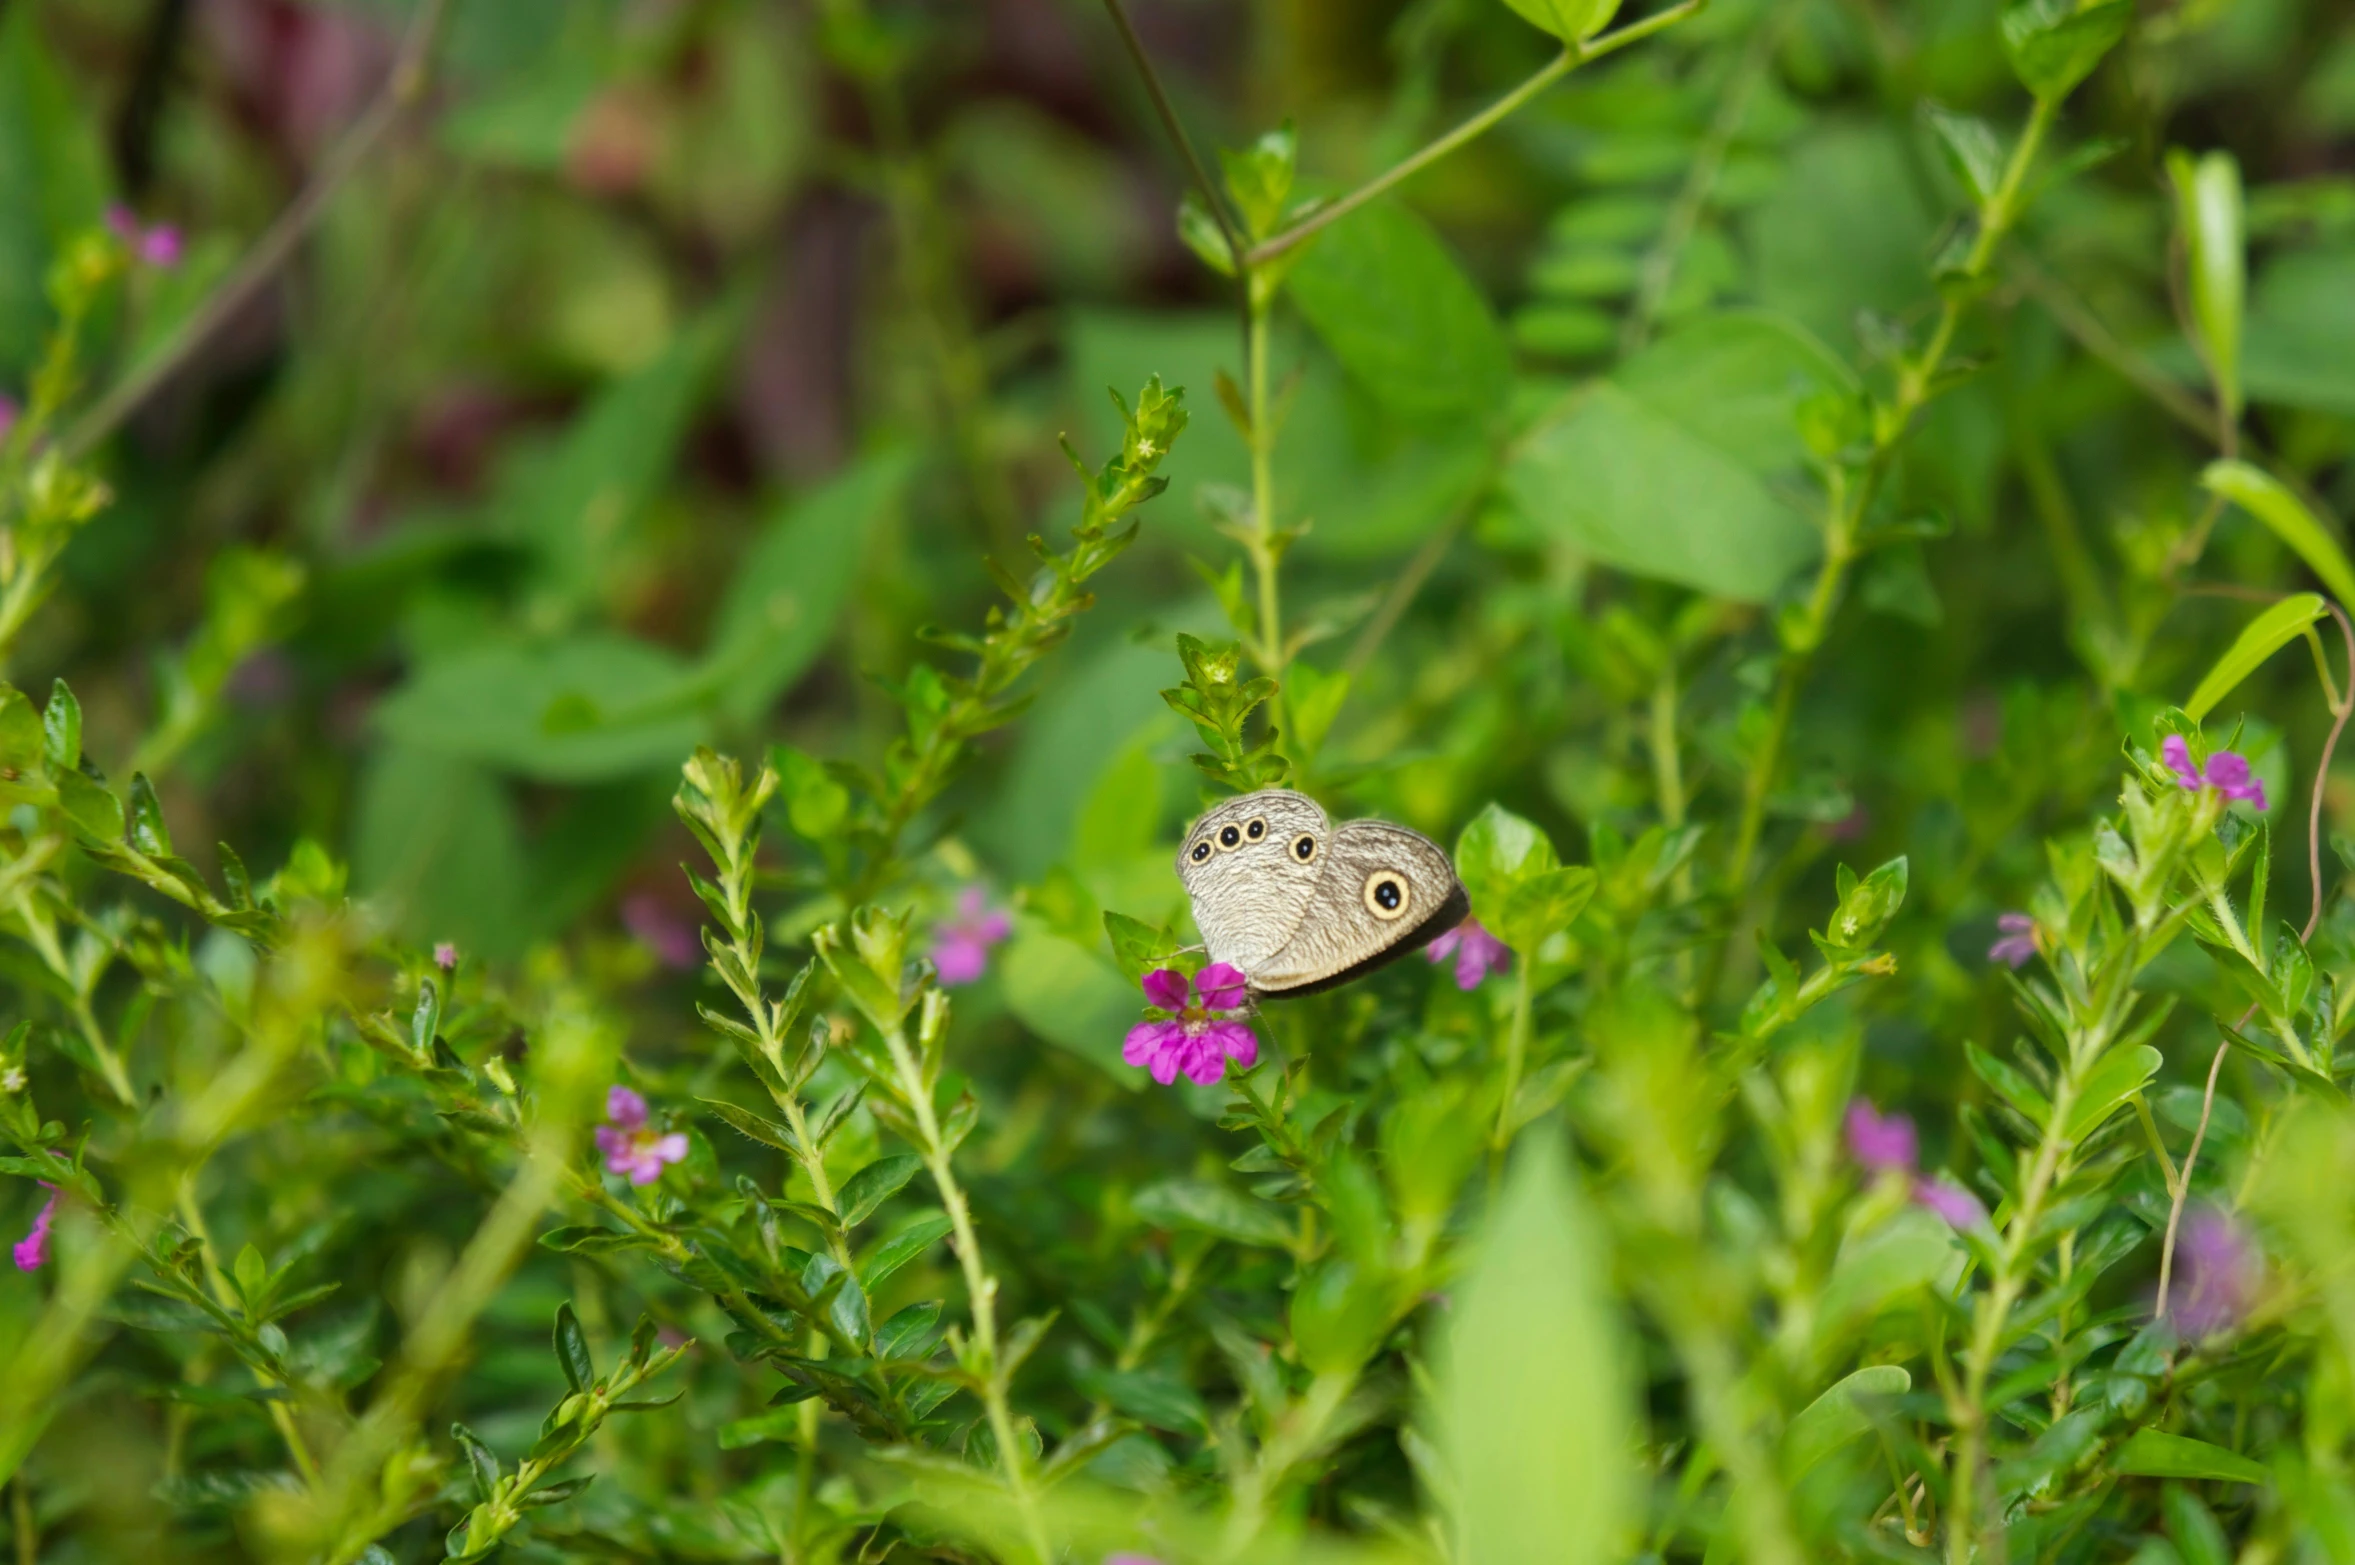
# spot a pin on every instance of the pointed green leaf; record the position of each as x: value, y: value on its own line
x: 2263, y: 636
x: 2270, y: 501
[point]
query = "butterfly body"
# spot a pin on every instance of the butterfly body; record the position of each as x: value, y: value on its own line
x: 1300, y: 904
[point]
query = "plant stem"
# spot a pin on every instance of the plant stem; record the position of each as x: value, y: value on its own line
x: 403, y: 89
x: 1572, y: 56
x: 981, y: 1289
x: 1265, y: 549
x: 1848, y: 499
x: 1516, y: 1050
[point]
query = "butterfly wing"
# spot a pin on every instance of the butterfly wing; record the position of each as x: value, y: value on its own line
x: 1247, y: 875
x: 1385, y: 891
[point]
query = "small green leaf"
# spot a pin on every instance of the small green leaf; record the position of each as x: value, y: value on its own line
x: 2117, y: 1076
x: 1495, y: 855
x: 2208, y: 216
x: 2263, y: 636
x: 1971, y: 148
x: 252, y: 1275
x: 757, y: 1127
x: 2055, y: 44
x: 2270, y: 501
x: 480, y: 1463
x: 572, y: 1349
x: 20, y: 733
x: 2009, y: 1084
x: 1836, y: 1417
x: 556, y: 1493
x: 90, y: 806
x: 816, y: 802
x: 871, y: 1186
x: 1572, y: 21
x: 903, y: 1247
x: 1158, y: 1401
x: 1215, y: 1209
x: 1867, y: 906
x: 426, y: 1019
x: 1137, y: 946
x: 1259, y: 178
x: 61, y: 729
x: 2152, y: 1453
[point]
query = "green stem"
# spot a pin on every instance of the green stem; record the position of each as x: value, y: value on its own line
x: 1516, y: 1049
x: 1849, y: 498
x: 1263, y: 546
x: 1573, y: 55
x: 981, y: 1290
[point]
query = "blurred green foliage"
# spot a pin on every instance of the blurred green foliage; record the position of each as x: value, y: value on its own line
x: 1829, y: 508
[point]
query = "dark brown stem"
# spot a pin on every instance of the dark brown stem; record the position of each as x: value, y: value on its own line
x: 402, y: 89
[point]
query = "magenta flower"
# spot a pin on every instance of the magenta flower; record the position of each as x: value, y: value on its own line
x: 9, y: 413
x: 1477, y: 952
x: 659, y: 928
x: 2227, y: 773
x: 960, y: 946
x: 2220, y: 1274
x: 2017, y: 943
x: 1950, y: 1201
x: 33, y: 1248
x: 445, y: 955
x: 1198, y: 1033
x: 633, y: 1148
x: 1130, y: 1559
x: 1882, y: 1143
x: 156, y: 244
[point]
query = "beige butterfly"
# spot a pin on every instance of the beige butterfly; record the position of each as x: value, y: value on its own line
x: 1300, y: 904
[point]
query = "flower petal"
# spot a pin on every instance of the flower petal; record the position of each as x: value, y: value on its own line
x: 2177, y: 754
x: 1166, y: 989
x: 958, y: 958
x: 625, y: 1108
x: 1147, y: 1041
x: 1221, y: 985
x: 671, y: 1148
x: 1235, y: 1041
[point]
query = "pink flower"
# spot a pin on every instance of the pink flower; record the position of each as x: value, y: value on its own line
x: 2220, y: 1274
x: 1477, y: 952
x: 33, y: 1249
x: 9, y: 413
x: 1950, y: 1201
x: 445, y: 955
x: 661, y: 930
x: 633, y: 1148
x: 1199, y: 1032
x: 2227, y: 773
x: 158, y: 245
x: 1130, y: 1559
x: 2018, y: 941
x: 960, y: 946
x: 1882, y: 1143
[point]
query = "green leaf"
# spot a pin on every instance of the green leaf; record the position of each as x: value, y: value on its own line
x: 1674, y: 467
x: 873, y: 1185
x: 756, y: 1127
x: 1534, y: 1405
x: 578, y: 709
x: 2152, y: 1453
x: 2208, y: 216
x: 816, y: 802
x: 1572, y: 21
x: 90, y: 806
x: 2055, y: 44
x: 147, y: 832
x: 1259, y: 179
x: 572, y: 1349
x: 53, y: 179
x: 2263, y: 636
x: 1836, y: 1417
x: 1159, y: 1401
x: 1071, y: 996
x: 1398, y: 312
x: 2009, y: 1083
x: 583, y: 1239
x: 1495, y: 855
x: 785, y: 595
x: 1541, y: 904
x: 61, y: 729
x: 1866, y: 908
x: 903, y: 1247
x: 1971, y: 149
x: 20, y: 733
x: 437, y: 844
x: 1213, y: 1209
x: 577, y: 504
x: 252, y: 1275
x: 2270, y: 501
x: 480, y: 1463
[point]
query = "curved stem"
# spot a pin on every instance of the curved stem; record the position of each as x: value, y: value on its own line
x: 402, y: 90
x: 2341, y: 709
x: 1573, y: 55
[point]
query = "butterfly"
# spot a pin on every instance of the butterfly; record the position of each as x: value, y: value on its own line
x: 1300, y: 904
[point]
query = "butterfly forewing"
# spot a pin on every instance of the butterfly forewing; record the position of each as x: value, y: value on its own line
x: 1299, y: 904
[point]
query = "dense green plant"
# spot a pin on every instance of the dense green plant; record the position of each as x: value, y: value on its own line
x: 1816, y: 537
